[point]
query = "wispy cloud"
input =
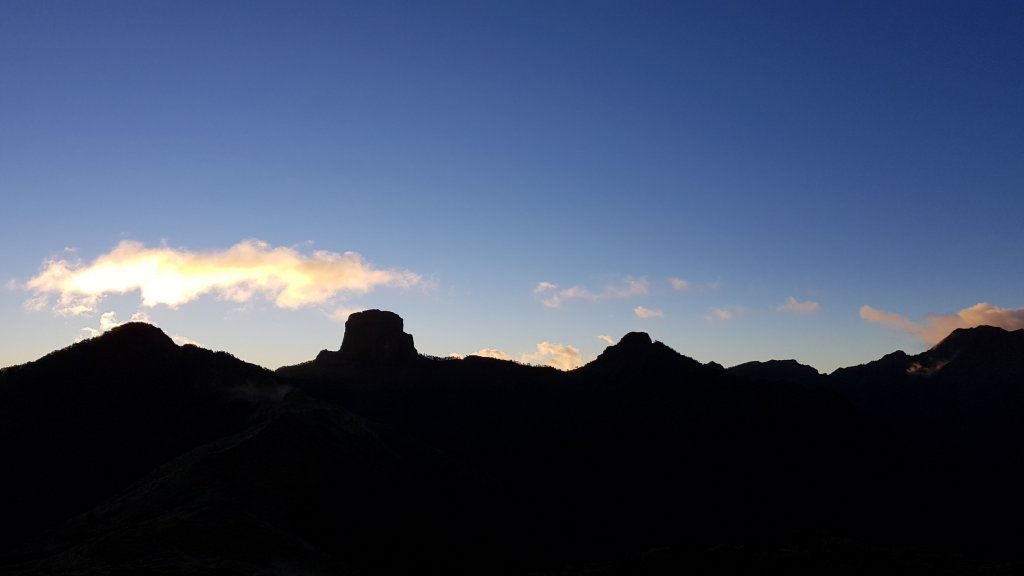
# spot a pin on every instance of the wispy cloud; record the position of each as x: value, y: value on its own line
x: 544, y: 287
x: 937, y: 326
x: 795, y: 307
x: 553, y: 297
x: 683, y: 285
x: 606, y: 339
x: 561, y: 356
x: 170, y: 276
x: 642, y: 312
x: 725, y: 313
x: 343, y: 313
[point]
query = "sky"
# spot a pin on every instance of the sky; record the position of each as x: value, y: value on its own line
x: 824, y: 181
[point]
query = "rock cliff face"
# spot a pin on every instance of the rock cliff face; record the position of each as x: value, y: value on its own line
x: 376, y: 337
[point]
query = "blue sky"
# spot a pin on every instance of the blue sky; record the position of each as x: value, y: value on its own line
x: 840, y: 154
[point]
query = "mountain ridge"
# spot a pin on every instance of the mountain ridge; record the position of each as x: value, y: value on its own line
x: 543, y: 469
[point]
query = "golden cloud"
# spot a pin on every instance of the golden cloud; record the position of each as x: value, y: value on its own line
x: 491, y: 353
x: 561, y: 356
x: 938, y: 326
x: 248, y: 270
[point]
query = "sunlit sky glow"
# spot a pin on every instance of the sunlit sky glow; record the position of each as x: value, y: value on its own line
x: 822, y: 181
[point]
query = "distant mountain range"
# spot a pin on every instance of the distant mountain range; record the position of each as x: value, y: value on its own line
x: 129, y: 454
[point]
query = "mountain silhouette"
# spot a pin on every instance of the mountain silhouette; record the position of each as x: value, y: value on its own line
x: 82, y: 423
x: 782, y: 370
x: 126, y: 453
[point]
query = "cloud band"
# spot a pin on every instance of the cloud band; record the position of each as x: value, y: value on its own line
x: 938, y: 326
x: 248, y: 270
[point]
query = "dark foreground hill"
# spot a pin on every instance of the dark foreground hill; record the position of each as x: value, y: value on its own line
x: 128, y: 454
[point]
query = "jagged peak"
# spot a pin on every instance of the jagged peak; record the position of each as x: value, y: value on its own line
x: 975, y: 337
x: 637, y: 349
x: 629, y: 345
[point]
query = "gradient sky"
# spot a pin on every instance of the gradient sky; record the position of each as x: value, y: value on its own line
x: 825, y: 181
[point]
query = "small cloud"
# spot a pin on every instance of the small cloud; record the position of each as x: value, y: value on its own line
x: 552, y: 302
x: 937, y: 326
x: 642, y: 312
x: 679, y: 283
x: 140, y: 317
x: 544, y: 287
x: 919, y: 369
x: 890, y: 319
x: 559, y: 356
x: 36, y: 304
x: 182, y: 341
x: 794, y: 307
x: 491, y: 353
x: 109, y: 321
x: 630, y: 287
x: 248, y: 270
x: 726, y: 313
x: 720, y: 314
x: 606, y: 339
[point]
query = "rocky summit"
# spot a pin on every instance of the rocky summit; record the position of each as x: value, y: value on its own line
x: 377, y: 337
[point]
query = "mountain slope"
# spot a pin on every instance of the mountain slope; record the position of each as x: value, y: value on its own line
x: 313, y: 490
x: 82, y: 423
x: 956, y: 411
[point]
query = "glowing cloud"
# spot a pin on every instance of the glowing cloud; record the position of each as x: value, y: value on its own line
x: 491, y: 353
x: 606, y: 339
x: 937, y: 326
x: 630, y: 287
x: 679, y: 283
x: 248, y: 270
x: 794, y: 307
x: 642, y: 312
x: 109, y: 321
x: 561, y: 356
